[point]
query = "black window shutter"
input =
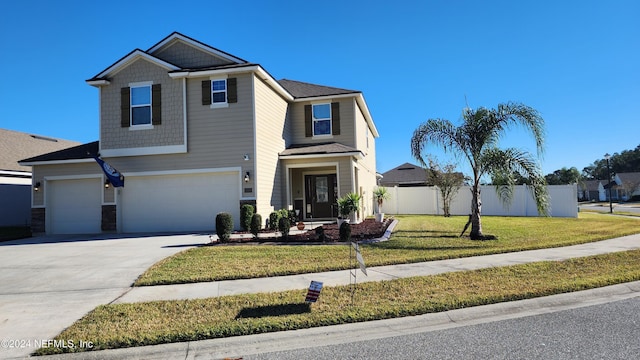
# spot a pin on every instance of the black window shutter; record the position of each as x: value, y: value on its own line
x: 335, y: 118
x: 308, y: 122
x: 232, y: 90
x: 156, y: 104
x: 206, y: 92
x: 125, y: 106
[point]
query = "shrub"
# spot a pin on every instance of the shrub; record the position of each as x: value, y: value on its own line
x: 256, y: 224
x: 274, y: 217
x: 224, y: 226
x: 345, y: 232
x: 284, y: 225
x: 246, y: 213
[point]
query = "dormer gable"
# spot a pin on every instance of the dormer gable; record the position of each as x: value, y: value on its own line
x: 188, y: 53
x: 103, y: 77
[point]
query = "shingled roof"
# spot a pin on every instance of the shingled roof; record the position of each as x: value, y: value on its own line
x: 15, y: 146
x: 80, y: 152
x: 301, y: 89
x: 319, y: 149
x: 406, y: 174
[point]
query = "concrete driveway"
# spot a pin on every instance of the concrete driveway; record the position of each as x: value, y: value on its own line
x: 47, y: 283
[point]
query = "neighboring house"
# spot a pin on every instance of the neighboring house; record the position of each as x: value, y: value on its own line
x: 197, y: 131
x: 15, y: 179
x: 404, y: 175
x: 623, y: 187
x: 590, y: 190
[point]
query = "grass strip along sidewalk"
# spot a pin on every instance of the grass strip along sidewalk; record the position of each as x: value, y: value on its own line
x: 417, y: 238
x: 127, y: 325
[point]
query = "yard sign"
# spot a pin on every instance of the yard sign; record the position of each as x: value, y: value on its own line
x: 314, y: 292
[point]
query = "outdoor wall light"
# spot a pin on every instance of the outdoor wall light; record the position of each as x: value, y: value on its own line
x: 107, y: 183
x: 246, y: 177
x: 36, y: 187
x: 246, y: 157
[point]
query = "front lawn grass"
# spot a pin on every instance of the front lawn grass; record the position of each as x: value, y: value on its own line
x: 415, y: 239
x: 127, y: 325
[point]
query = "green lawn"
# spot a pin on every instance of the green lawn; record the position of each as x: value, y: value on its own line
x: 415, y: 239
x: 127, y: 325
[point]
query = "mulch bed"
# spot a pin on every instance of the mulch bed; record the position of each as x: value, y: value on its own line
x: 365, y: 230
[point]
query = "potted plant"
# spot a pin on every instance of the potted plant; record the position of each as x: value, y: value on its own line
x: 343, y: 210
x: 380, y: 194
x: 348, y: 205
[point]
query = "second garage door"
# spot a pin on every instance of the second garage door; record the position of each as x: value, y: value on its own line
x: 178, y: 202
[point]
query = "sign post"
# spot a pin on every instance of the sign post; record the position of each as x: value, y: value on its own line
x: 353, y: 281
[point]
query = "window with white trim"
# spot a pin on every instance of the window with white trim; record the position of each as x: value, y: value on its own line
x: 141, y: 105
x: 219, y: 91
x: 321, y: 116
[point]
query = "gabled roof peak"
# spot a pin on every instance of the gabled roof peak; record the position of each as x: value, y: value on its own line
x: 197, y: 44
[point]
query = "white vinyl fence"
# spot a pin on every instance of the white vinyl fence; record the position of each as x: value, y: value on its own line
x: 427, y: 200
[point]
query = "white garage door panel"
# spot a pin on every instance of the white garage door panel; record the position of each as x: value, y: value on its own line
x: 178, y: 202
x: 74, y: 206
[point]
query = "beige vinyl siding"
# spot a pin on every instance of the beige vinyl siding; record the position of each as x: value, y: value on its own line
x: 346, y: 137
x: 271, y: 116
x: 169, y: 133
x: 216, y: 138
x: 186, y: 56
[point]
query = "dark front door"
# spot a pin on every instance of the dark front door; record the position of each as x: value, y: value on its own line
x: 321, y: 192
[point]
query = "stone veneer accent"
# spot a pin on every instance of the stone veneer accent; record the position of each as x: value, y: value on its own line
x: 109, y: 218
x: 38, y: 220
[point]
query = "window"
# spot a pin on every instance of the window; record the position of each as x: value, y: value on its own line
x: 218, y: 91
x: 321, y: 119
x: 141, y: 105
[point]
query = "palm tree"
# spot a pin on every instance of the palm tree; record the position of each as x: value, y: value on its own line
x: 476, y: 139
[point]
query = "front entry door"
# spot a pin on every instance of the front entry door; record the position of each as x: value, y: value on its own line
x: 321, y: 193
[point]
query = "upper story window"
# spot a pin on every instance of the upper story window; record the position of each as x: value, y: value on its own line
x: 321, y: 119
x: 141, y: 105
x: 218, y: 91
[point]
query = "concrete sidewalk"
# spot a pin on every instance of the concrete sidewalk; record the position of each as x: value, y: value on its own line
x: 334, y: 278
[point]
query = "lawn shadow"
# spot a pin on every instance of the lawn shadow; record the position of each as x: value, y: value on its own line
x: 274, y: 310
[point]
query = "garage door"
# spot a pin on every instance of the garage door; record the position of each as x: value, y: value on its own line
x: 74, y: 206
x: 178, y: 202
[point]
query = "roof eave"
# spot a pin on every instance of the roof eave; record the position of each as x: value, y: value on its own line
x: 135, y: 54
x: 257, y: 69
x: 55, y: 162
x: 356, y: 154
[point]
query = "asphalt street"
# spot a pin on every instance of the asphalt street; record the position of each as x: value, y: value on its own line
x: 607, y: 331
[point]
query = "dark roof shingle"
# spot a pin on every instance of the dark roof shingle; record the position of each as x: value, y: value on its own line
x: 299, y: 89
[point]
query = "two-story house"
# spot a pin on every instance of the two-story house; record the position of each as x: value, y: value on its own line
x: 197, y: 131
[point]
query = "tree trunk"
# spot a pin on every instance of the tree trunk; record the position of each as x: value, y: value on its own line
x: 476, y: 207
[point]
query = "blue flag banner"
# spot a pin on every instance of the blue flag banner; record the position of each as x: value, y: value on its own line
x: 115, y: 178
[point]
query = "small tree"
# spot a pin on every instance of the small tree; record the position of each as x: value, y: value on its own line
x: 224, y: 226
x: 447, y: 180
x: 246, y: 213
x: 350, y: 203
x: 256, y: 224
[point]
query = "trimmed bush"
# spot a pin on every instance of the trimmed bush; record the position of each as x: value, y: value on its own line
x: 246, y: 213
x: 284, y: 225
x: 274, y: 217
x: 345, y: 232
x: 256, y: 224
x: 224, y: 226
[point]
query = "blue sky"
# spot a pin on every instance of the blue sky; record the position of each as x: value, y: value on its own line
x: 576, y: 62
